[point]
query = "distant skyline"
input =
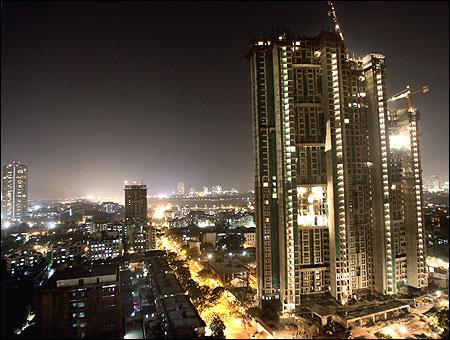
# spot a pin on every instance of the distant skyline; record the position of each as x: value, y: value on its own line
x: 96, y: 93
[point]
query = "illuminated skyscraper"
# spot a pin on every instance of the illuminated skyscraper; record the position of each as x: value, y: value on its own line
x: 15, y: 191
x: 323, y: 187
x: 407, y: 198
x: 136, y: 203
x: 180, y: 188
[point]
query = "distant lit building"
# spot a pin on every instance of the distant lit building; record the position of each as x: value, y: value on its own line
x: 217, y: 189
x: 180, y: 189
x: 249, y: 239
x: 136, y: 203
x: 21, y: 262
x: 81, y: 303
x: 104, y: 245
x: 150, y: 238
x: 209, y: 237
x: 15, y: 192
x: 242, y: 220
x: 121, y: 228
x: 143, y: 238
x: 110, y: 207
x: 65, y: 252
x: 205, y: 190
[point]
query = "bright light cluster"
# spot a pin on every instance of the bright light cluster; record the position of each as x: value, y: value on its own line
x: 159, y: 211
x: 399, y: 142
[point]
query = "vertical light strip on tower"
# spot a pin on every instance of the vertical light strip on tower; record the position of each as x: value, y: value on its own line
x: 289, y: 155
x: 378, y: 61
x: 342, y: 277
x: 421, y: 262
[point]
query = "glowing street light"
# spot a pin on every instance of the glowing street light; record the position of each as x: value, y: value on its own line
x: 209, y: 256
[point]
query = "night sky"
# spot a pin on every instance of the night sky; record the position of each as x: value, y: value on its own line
x: 97, y: 93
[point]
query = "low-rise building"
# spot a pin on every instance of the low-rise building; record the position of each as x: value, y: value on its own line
x: 67, y: 251
x: 228, y: 270
x: 81, y: 302
x: 180, y: 318
x: 104, y: 244
x: 143, y: 238
x: 210, y: 237
x: 21, y: 262
x: 194, y: 244
x: 110, y: 207
x: 439, y: 277
x: 250, y: 239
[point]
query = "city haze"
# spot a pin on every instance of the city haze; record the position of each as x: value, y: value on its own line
x: 96, y: 93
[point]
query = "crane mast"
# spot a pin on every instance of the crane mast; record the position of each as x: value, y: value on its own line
x: 332, y: 14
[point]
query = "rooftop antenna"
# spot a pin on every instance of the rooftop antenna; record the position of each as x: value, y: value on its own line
x: 333, y: 16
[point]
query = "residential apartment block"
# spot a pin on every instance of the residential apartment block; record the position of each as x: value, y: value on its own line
x: 331, y: 213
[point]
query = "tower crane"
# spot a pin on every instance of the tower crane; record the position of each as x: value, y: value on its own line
x: 407, y: 93
x: 332, y: 14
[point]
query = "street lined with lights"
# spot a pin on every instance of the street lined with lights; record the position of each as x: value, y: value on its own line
x: 227, y: 307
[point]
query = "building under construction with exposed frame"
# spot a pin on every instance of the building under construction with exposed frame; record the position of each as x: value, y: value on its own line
x: 338, y: 199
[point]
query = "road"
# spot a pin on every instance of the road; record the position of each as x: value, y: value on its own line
x: 227, y: 306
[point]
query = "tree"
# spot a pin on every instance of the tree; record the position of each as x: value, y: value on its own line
x: 217, y: 327
x: 192, y: 253
x: 184, y: 274
x: 254, y: 311
x: 215, y: 294
x: 232, y: 242
x: 205, y: 273
x: 195, y: 293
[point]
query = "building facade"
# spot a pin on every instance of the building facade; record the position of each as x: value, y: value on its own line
x: 15, y: 192
x: 110, y: 207
x: 324, y: 186
x: 136, y: 203
x: 104, y: 245
x: 81, y: 303
x: 180, y: 188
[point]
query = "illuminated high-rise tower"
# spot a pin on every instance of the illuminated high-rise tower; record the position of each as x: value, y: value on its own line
x: 326, y: 205
x: 15, y: 192
x: 180, y: 188
x: 136, y: 203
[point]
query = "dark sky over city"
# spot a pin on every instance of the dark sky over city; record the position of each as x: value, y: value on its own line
x: 95, y: 93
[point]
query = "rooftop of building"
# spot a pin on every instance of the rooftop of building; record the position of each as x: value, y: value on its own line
x: 104, y: 235
x: 154, y: 253
x: 166, y: 284
x: 225, y: 268
x: 23, y: 253
x: 372, y: 309
x: 181, y: 313
x: 135, y: 186
x: 106, y: 271
x: 325, y: 305
x: 250, y: 230
x: 157, y: 265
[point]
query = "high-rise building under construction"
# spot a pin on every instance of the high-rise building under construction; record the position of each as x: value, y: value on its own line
x: 332, y: 209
